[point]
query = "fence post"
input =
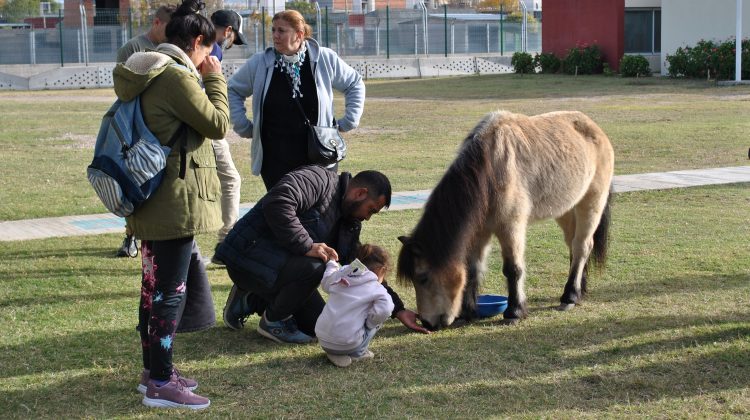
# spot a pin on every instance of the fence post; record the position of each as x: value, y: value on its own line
x: 416, y: 40
x: 453, y: 38
x: 338, y: 40
x: 502, y: 18
x: 32, y: 46
x: 487, y: 28
x: 60, y: 31
x: 318, y: 21
x: 445, y: 27
x: 377, y: 38
x: 263, y: 27
x: 328, y: 43
x: 387, y: 32
x: 84, y: 31
x: 255, y: 28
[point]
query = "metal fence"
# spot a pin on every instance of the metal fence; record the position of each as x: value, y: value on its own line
x: 383, y: 33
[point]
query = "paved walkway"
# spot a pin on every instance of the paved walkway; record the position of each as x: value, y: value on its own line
x: 95, y: 224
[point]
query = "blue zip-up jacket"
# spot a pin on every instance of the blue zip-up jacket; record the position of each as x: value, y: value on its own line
x: 330, y: 72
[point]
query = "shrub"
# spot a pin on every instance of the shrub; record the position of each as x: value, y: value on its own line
x: 708, y: 59
x: 547, y: 62
x: 634, y: 66
x: 522, y: 62
x: 585, y: 59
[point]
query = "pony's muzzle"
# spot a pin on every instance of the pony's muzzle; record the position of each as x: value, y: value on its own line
x: 437, y: 322
x: 430, y: 326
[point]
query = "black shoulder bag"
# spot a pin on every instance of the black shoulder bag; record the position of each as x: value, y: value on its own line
x: 325, y: 146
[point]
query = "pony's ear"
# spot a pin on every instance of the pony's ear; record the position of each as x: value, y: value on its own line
x: 409, y: 242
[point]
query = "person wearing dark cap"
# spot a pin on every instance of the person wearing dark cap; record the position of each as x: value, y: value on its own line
x: 228, y: 25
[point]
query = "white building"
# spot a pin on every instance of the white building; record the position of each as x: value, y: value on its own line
x: 656, y: 28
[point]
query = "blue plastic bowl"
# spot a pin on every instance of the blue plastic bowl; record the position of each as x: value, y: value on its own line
x: 491, y: 305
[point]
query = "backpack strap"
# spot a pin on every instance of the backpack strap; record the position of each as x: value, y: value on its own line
x: 179, y: 136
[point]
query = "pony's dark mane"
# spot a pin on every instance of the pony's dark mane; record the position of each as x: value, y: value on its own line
x: 457, y: 204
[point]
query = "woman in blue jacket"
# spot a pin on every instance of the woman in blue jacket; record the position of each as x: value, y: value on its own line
x: 296, y: 67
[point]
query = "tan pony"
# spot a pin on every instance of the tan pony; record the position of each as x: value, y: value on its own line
x: 511, y: 170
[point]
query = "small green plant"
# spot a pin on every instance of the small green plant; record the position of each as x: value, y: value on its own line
x: 522, y: 62
x: 634, y: 66
x: 547, y: 62
x: 583, y: 59
x: 606, y: 70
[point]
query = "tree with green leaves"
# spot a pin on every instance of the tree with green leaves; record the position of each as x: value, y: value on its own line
x: 17, y: 10
x: 511, y: 9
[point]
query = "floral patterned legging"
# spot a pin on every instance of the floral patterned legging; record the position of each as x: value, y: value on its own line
x: 166, y: 269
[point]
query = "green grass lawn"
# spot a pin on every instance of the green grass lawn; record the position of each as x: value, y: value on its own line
x: 655, y: 124
x: 664, y: 331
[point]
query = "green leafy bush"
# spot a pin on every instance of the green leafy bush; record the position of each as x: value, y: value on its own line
x: 634, y: 66
x: 708, y: 59
x: 583, y: 59
x: 547, y: 62
x: 522, y: 62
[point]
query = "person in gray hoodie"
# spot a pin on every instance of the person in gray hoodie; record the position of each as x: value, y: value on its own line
x: 295, y: 68
x: 357, y: 306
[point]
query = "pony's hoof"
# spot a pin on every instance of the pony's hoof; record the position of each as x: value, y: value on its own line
x: 511, y: 321
x: 566, y: 306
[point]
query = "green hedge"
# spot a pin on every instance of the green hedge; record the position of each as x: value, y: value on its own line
x: 634, y: 66
x: 708, y: 59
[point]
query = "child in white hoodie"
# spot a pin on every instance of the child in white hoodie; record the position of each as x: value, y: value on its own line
x: 357, y: 306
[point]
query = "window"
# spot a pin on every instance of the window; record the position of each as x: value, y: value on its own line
x: 643, y: 31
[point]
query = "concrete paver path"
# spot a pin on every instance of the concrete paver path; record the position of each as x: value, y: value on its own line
x: 95, y: 224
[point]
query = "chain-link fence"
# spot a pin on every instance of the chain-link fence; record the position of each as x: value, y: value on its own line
x: 385, y: 33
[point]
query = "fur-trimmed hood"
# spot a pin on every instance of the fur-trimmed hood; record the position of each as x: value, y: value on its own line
x: 136, y: 74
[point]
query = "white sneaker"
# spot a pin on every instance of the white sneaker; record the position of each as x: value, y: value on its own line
x: 366, y: 356
x: 340, y: 360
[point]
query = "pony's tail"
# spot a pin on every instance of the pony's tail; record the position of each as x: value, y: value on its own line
x: 601, y: 236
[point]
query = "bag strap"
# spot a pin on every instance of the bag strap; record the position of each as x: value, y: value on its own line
x: 299, y: 105
x: 296, y: 100
x: 179, y: 136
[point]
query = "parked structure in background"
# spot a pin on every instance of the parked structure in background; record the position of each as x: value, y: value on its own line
x: 652, y: 28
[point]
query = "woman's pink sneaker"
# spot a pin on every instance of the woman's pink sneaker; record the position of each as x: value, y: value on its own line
x: 188, y: 383
x: 173, y: 395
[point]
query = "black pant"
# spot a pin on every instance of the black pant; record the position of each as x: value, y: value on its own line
x: 294, y: 293
x: 175, y: 295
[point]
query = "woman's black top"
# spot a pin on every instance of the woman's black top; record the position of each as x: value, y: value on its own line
x: 283, y: 129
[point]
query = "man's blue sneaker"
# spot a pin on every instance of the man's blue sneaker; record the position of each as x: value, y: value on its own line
x: 237, y: 308
x: 284, y: 331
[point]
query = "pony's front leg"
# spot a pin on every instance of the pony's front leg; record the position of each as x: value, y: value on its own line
x: 513, y: 244
x: 517, y: 309
x: 475, y: 269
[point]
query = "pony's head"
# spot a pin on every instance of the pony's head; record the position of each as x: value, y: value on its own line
x: 438, y: 288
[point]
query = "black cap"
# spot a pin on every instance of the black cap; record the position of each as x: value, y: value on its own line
x: 227, y: 18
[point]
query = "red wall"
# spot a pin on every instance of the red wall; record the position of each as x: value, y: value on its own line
x: 39, y: 22
x: 568, y: 23
x: 72, y: 13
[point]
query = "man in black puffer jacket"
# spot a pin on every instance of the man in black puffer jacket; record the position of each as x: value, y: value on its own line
x: 276, y: 254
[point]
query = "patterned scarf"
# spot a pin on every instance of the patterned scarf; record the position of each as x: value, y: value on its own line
x: 291, y: 65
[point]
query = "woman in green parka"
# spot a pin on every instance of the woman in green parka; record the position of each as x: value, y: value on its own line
x: 181, y: 88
